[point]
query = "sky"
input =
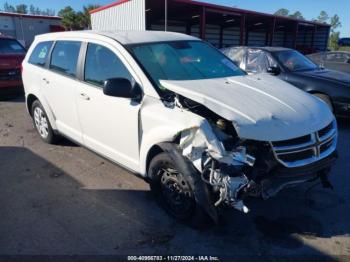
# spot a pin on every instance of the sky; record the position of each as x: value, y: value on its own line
x: 309, y: 8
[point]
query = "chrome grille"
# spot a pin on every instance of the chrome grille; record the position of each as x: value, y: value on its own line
x: 306, y: 149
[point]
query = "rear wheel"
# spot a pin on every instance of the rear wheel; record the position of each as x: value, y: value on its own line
x: 42, y: 123
x: 174, y: 193
x: 325, y: 99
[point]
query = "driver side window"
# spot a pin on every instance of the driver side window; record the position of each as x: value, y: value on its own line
x: 102, y: 64
x: 257, y: 61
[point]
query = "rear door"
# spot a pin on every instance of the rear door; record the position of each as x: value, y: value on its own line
x: 59, y: 87
x: 110, y: 125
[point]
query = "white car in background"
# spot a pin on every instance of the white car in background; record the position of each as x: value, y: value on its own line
x: 176, y: 111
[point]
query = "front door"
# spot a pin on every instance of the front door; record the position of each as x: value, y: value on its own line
x: 109, y: 124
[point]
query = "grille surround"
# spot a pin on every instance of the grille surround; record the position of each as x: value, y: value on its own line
x: 322, y: 143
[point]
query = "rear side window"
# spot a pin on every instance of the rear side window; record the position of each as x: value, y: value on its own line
x: 102, y: 64
x: 64, y: 58
x: 40, y: 53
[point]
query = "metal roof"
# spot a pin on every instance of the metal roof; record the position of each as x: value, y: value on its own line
x: 220, y: 8
x: 30, y: 16
x: 127, y: 37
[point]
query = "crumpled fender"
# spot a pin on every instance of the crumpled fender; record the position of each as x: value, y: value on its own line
x: 186, y: 168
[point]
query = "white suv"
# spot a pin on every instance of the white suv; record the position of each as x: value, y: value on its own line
x: 176, y: 111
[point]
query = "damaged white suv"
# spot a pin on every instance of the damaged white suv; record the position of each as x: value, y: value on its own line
x: 176, y: 111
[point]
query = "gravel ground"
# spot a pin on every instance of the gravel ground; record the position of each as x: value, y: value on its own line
x: 65, y: 200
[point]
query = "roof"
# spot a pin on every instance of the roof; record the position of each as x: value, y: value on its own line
x: 217, y: 7
x: 265, y: 48
x: 30, y: 16
x: 271, y: 48
x: 126, y: 37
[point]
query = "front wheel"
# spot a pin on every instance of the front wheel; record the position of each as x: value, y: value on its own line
x: 174, y: 193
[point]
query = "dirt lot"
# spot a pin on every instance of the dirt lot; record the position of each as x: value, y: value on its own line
x: 65, y: 200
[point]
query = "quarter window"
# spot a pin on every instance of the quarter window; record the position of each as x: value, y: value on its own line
x: 102, y: 64
x: 64, y: 57
x: 40, y: 53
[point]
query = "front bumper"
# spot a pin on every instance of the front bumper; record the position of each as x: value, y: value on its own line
x: 282, y: 177
x: 342, y: 109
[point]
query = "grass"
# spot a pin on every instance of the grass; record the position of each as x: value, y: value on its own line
x: 344, y: 48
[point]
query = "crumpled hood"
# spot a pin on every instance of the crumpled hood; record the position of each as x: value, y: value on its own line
x: 328, y: 75
x: 261, y: 107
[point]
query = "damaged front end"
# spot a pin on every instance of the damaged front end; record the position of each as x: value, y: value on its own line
x: 234, y: 168
x: 219, y: 168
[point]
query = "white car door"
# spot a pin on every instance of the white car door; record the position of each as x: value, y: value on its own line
x: 110, y: 124
x: 59, y: 87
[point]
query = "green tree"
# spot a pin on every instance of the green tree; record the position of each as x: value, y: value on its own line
x: 70, y: 20
x: 22, y: 9
x: 334, y: 36
x: 333, y: 41
x: 9, y: 8
x: 32, y: 10
x: 84, y: 17
x: 322, y: 18
x: 282, y: 12
x: 297, y: 15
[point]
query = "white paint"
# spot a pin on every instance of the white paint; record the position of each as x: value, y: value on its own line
x: 261, y: 107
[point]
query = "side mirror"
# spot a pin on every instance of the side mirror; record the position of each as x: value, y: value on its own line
x: 122, y: 87
x: 274, y: 70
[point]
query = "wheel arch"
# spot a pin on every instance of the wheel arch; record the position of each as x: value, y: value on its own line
x: 29, y: 102
x: 31, y: 97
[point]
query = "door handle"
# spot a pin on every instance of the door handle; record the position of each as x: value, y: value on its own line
x: 84, y: 96
x: 46, y: 81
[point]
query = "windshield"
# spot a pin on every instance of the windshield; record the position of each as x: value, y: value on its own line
x: 183, y: 60
x: 294, y: 61
x: 10, y: 46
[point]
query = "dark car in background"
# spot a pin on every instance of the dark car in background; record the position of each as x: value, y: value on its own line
x: 12, y: 54
x: 333, y: 87
x: 345, y: 41
x: 337, y: 60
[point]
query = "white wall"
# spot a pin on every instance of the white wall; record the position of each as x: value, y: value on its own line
x: 126, y: 16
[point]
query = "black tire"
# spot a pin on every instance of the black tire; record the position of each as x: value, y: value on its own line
x: 174, y: 193
x: 325, y: 99
x: 50, y: 137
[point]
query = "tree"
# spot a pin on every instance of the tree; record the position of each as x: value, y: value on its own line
x: 297, y: 15
x: 282, y: 12
x: 9, y: 8
x: 84, y: 18
x: 69, y: 18
x: 335, y: 23
x: 32, y: 10
x: 22, y: 9
x: 334, y: 36
x: 333, y: 41
x: 322, y: 18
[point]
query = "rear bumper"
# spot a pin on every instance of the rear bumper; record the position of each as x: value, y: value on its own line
x: 11, y: 90
x: 282, y: 177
